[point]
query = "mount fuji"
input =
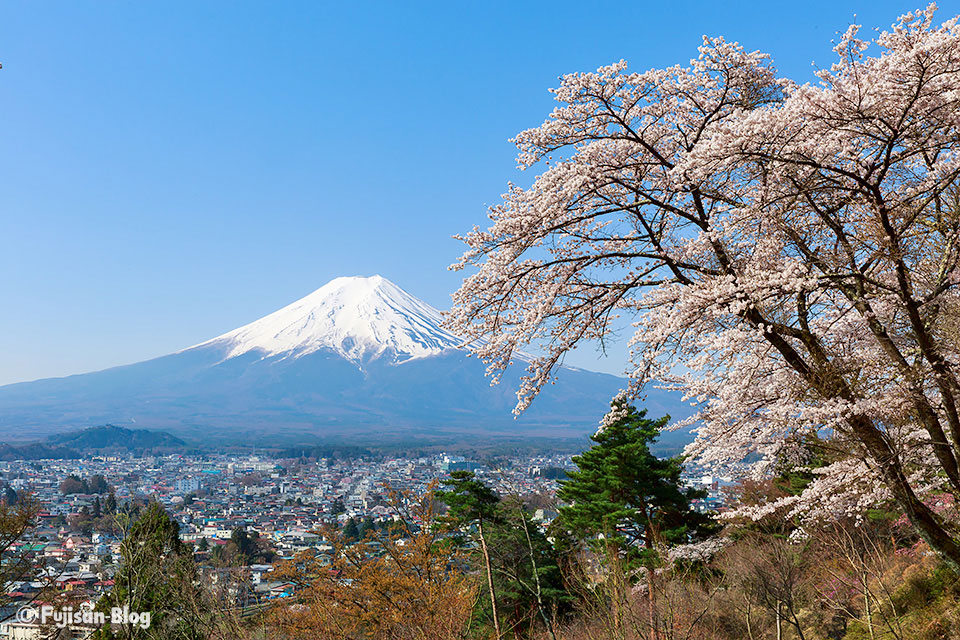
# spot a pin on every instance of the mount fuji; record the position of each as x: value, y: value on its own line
x: 360, y: 319
x: 357, y: 360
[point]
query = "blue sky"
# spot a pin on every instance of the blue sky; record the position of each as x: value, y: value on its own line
x: 172, y: 170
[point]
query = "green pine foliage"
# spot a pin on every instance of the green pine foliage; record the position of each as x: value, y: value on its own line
x: 471, y: 503
x: 351, y: 533
x: 527, y: 577
x: 244, y: 548
x: 157, y: 574
x: 524, y: 583
x: 365, y: 528
x: 468, y: 500
x: 622, y: 496
x: 9, y: 498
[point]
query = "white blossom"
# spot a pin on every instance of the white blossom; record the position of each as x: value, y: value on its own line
x: 788, y: 255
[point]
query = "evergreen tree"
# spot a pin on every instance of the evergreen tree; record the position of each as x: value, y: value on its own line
x: 96, y: 507
x: 244, y: 546
x: 350, y: 531
x: 110, y: 505
x: 392, y: 528
x: 623, y: 492
x: 157, y: 575
x: 471, y: 502
x: 366, y: 526
x: 526, y: 571
x: 98, y: 484
x: 9, y: 497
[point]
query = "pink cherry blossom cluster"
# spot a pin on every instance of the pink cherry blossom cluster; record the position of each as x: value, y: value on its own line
x: 788, y: 255
x: 702, y: 551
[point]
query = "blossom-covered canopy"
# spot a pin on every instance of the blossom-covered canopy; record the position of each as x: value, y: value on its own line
x: 788, y: 253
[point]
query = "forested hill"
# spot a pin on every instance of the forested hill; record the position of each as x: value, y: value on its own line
x: 111, y: 437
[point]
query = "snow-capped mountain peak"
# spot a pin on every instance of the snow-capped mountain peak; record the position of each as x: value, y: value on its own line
x: 359, y: 318
x: 357, y: 361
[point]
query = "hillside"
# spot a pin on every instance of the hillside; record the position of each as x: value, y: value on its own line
x: 111, y: 437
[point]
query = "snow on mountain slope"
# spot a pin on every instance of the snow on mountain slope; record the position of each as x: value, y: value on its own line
x: 358, y: 318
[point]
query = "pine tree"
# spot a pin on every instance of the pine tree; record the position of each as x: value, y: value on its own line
x: 96, y: 507
x: 624, y: 493
x: 110, y: 505
x: 244, y: 546
x: 350, y: 531
x: 471, y: 502
x: 366, y: 526
x: 526, y: 570
x: 157, y: 575
x: 9, y: 497
x: 97, y: 484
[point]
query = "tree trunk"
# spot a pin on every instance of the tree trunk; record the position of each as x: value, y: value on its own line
x: 920, y: 515
x: 749, y: 629
x: 866, y: 599
x: 536, y: 574
x: 493, y: 593
x: 832, y: 385
x: 795, y: 621
x: 655, y: 633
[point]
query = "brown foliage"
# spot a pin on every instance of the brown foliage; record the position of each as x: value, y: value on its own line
x: 16, y: 562
x: 408, y: 585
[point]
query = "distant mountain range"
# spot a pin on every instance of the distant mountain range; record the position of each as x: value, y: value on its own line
x: 357, y: 361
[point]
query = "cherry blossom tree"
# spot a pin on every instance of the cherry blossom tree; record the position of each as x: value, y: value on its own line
x: 789, y: 255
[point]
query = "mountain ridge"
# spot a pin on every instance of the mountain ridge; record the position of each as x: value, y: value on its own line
x: 359, y: 358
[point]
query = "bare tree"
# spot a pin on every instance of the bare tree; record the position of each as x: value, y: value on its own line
x: 774, y: 575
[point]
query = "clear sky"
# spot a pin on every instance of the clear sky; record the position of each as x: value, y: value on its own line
x: 172, y: 170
